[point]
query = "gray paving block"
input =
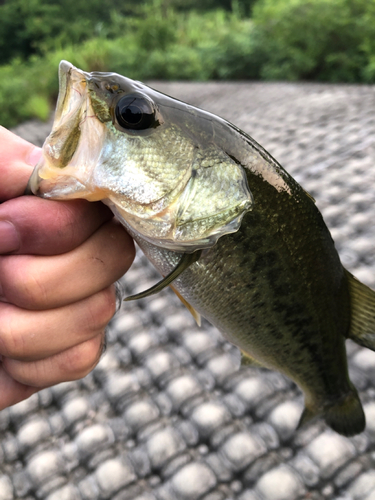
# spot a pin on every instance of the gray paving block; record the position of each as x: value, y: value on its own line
x: 285, y: 417
x: 281, y: 483
x: 222, y: 366
x: 193, y: 481
x: 209, y: 416
x: 252, y: 390
x: 140, y: 413
x: 75, y: 409
x: 6, y: 488
x: 68, y: 492
x: 198, y: 342
x: 363, y: 486
x: 248, y: 495
x: 89, y: 488
x: 33, y: 432
x: 241, y: 449
x: 307, y: 469
x: 142, y: 342
x: 44, y: 466
x: 121, y: 385
x: 93, y: 438
x: 163, y: 445
x: 160, y: 362
x: 112, y: 475
x: 330, y: 452
x: 22, y: 410
x: 182, y: 388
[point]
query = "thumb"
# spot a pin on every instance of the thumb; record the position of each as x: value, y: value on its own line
x: 17, y: 157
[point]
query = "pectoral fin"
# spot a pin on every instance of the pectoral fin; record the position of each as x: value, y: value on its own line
x: 362, y: 304
x: 186, y: 260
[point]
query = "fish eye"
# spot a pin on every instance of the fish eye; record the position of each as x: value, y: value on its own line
x: 135, y: 112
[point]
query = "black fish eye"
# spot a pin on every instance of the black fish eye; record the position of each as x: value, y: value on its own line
x: 135, y: 112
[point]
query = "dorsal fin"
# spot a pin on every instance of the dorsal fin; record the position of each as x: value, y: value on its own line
x: 362, y: 304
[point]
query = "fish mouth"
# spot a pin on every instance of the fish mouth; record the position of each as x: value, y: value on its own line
x: 62, y: 170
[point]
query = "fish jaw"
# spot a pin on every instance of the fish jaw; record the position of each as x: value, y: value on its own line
x: 74, y: 144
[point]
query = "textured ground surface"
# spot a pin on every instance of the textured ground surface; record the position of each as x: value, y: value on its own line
x: 167, y: 415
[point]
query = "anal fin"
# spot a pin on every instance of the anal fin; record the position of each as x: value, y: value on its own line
x: 345, y: 415
x: 307, y: 416
x: 247, y: 360
x: 362, y: 304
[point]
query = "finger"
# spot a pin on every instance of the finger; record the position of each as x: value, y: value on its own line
x: 35, y: 335
x: 72, y: 364
x: 11, y: 391
x: 36, y: 282
x: 16, y: 161
x: 45, y: 227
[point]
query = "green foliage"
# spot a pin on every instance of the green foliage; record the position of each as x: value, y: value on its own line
x: 237, y: 6
x: 327, y: 40
x: 315, y: 39
x: 37, y: 26
x: 158, y: 45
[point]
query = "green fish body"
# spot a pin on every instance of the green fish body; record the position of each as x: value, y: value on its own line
x: 242, y: 243
x: 277, y: 290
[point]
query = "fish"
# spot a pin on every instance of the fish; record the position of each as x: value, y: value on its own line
x: 234, y: 235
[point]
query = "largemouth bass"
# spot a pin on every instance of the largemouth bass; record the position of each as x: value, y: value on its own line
x: 234, y: 234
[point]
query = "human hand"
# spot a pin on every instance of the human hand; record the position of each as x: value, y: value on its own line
x: 56, y: 275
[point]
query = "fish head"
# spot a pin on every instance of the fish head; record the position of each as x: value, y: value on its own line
x: 151, y: 158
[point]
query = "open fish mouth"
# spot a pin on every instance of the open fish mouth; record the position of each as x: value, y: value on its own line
x: 60, y: 173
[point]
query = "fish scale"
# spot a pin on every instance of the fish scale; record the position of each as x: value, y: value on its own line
x: 253, y: 254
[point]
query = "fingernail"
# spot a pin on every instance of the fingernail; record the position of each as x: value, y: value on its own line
x: 34, y: 156
x: 119, y: 295
x: 9, y: 237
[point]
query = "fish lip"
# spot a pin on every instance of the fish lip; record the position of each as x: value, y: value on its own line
x: 71, y: 110
x: 67, y: 187
x: 70, y: 78
x: 62, y: 143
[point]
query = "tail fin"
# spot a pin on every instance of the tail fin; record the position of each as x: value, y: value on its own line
x: 362, y: 325
x: 345, y: 416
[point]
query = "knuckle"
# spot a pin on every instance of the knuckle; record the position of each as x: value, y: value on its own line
x: 22, y: 372
x: 72, y: 364
x: 125, y: 248
x: 22, y: 285
x: 12, y: 342
x: 81, y: 359
x: 102, y: 308
x: 32, y: 292
x: 67, y: 219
